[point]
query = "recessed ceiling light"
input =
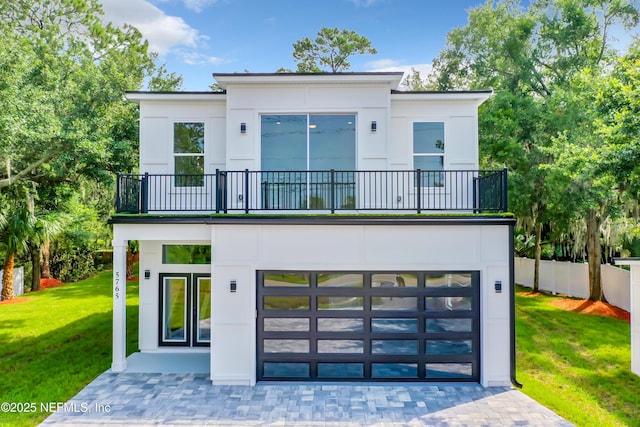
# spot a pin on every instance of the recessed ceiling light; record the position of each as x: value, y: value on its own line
x: 313, y: 126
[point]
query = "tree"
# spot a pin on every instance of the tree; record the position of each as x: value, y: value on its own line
x: 331, y: 48
x: 530, y: 58
x: 17, y: 223
x: 64, y: 120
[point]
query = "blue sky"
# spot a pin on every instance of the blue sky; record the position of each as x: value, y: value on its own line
x: 199, y: 37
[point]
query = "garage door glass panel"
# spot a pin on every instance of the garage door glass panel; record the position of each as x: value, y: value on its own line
x: 277, y: 324
x: 394, y: 370
x: 448, y: 347
x: 286, y: 346
x: 340, y: 370
x: 340, y: 325
x: 449, y: 325
x: 340, y: 346
x: 286, y: 303
x: 449, y: 370
x: 340, y: 280
x: 394, y: 347
x: 394, y: 303
x: 448, y: 303
x: 340, y: 303
x: 449, y: 280
x: 288, y: 280
x: 286, y: 370
x: 394, y: 280
x: 394, y: 325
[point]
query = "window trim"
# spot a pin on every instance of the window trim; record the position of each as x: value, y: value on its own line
x: 175, y: 155
x: 415, y: 154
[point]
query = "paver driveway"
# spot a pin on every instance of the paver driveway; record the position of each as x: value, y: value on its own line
x: 136, y: 399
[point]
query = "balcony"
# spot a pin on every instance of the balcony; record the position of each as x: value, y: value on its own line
x: 333, y: 191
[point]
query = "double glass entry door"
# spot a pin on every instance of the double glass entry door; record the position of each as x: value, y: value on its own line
x: 185, y: 309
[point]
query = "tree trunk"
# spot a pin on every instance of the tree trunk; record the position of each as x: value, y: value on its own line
x: 130, y: 261
x: 7, y: 278
x: 538, y: 255
x: 34, y: 251
x: 46, y: 255
x: 594, y: 253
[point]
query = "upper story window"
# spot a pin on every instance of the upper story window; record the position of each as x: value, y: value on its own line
x: 188, y: 154
x: 308, y: 160
x: 428, y: 152
x: 314, y: 142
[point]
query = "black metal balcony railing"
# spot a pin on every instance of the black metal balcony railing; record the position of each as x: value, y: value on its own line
x: 251, y: 191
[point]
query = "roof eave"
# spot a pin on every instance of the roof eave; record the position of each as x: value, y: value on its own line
x: 392, y: 79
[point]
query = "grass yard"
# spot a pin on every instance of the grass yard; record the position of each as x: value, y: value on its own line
x: 578, y: 365
x: 58, y: 341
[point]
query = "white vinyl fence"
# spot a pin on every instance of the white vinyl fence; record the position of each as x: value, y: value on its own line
x: 572, y: 279
x: 18, y: 281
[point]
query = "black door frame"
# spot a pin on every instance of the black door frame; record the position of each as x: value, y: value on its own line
x: 191, y: 340
x: 367, y: 358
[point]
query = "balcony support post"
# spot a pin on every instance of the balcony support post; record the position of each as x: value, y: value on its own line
x: 246, y: 191
x: 418, y: 190
x: 118, y: 190
x: 217, y: 187
x: 332, y: 193
x: 505, y: 191
x: 144, y: 193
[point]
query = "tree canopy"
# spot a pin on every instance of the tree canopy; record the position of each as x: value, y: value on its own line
x: 546, y: 63
x: 64, y: 121
x: 330, y: 49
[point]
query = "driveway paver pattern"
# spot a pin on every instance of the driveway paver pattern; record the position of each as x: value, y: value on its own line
x: 137, y: 399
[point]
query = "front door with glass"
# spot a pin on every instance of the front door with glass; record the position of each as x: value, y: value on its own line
x: 185, y: 310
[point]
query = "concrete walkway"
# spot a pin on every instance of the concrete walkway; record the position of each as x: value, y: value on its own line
x: 137, y: 399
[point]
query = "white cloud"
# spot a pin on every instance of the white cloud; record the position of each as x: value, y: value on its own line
x: 163, y: 32
x: 380, y: 64
x: 194, y: 58
x: 364, y: 3
x: 388, y: 65
x: 198, y: 5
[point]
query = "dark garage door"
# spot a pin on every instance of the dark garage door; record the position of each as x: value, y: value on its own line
x: 368, y: 326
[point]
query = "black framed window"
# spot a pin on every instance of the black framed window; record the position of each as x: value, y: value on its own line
x: 188, y: 153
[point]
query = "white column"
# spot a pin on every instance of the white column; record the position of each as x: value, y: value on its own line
x: 119, y: 362
x: 635, y: 318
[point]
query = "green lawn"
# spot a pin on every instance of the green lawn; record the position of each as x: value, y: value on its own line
x: 578, y: 365
x: 60, y: 340
x: 57, y: 342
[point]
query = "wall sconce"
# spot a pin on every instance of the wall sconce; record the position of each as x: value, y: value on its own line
x: 147, y: 274
x: 498, y: 286
x: 233, y: 286
x: 374, y: 126
x: 243, y: 127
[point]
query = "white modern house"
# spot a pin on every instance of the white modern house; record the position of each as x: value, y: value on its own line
x: 317, y: 227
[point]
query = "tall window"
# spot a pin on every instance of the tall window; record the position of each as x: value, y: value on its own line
x: 428, y: 152
x: 308, y: 142
x: 188, y: 154
x: 294, y: 144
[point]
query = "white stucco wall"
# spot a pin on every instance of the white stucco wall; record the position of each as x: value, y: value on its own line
x: 460, y: 129
x: 390, y: 147
x: 156, y: 131
x: 242, y: 250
